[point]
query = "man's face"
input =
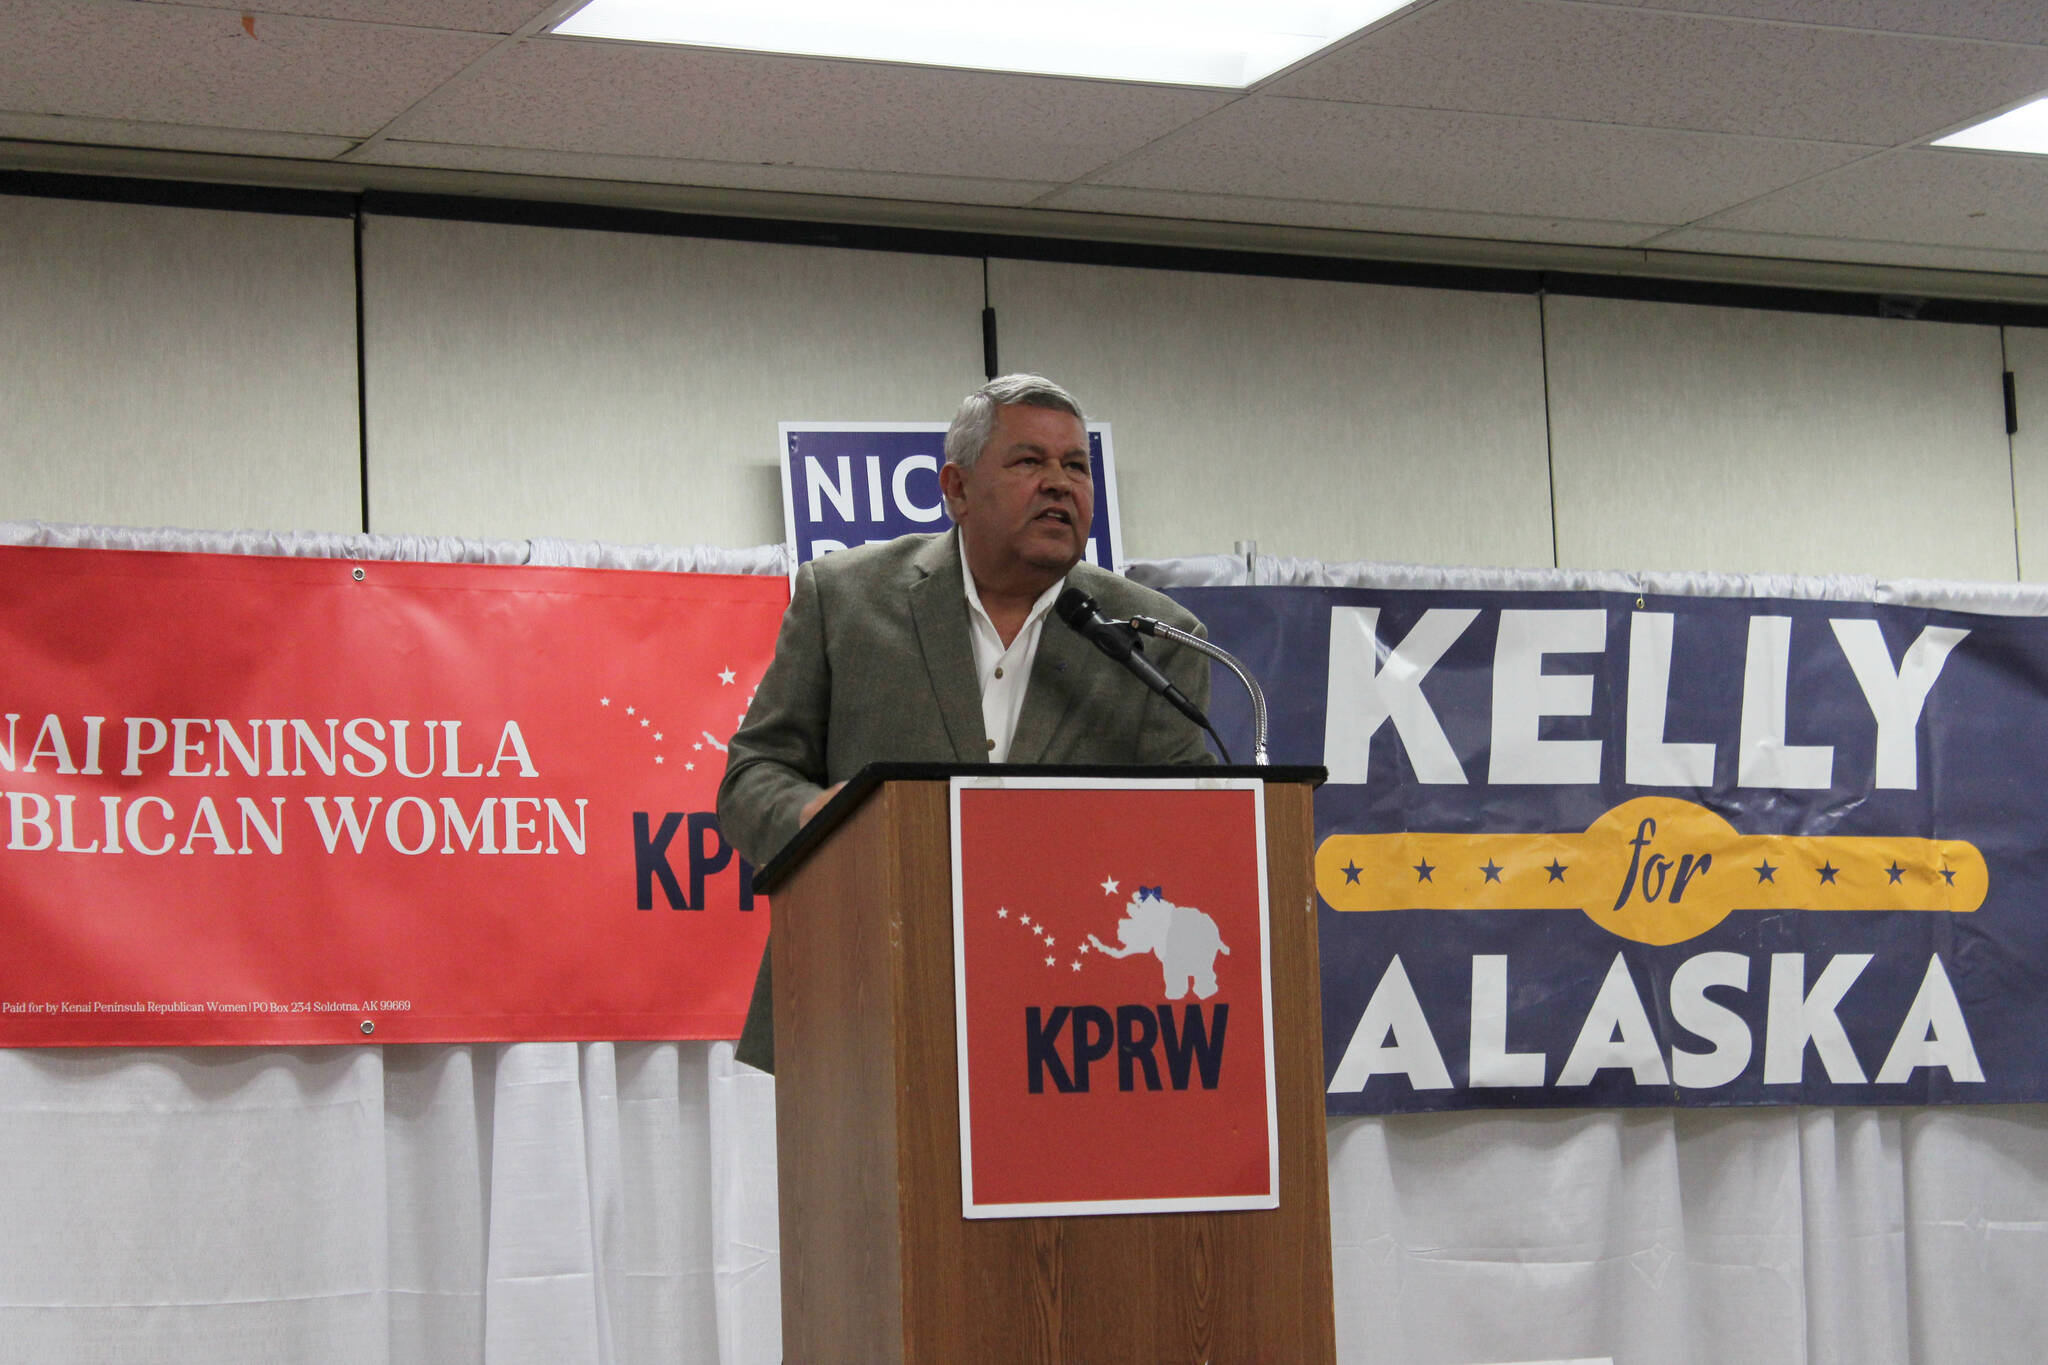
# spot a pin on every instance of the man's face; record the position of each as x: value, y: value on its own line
x: 1025, y: 507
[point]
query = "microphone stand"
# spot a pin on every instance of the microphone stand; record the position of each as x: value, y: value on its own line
x: 1147, y: 626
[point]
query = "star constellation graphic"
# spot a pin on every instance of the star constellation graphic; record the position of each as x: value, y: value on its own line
x: 1086, y: 948
x: 640, y: 721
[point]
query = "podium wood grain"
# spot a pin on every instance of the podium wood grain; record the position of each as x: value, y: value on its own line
x: 877, y: 1263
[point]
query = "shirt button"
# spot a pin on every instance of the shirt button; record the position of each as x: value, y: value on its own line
x: 991, y: 744
x: 999, y: 670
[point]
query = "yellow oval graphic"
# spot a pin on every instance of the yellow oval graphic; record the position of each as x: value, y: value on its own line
x: 1655, y: 869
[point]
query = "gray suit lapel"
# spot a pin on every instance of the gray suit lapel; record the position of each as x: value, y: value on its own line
x: 1058, y: 675
x: 938, y: 612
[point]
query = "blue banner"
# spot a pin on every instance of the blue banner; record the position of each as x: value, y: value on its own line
x: 854, y: 483
x: 1593, y: 849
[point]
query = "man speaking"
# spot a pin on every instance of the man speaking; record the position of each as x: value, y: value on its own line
x: 936, y: 649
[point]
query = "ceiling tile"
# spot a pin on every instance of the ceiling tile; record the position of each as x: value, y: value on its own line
x: 1994, y: 20
x: 1656, y: 70
x: 719, y: 174
x: 571, y: 95
x: 1476, y: 163
x: 1786, y: 246
x: 473, y: 16
x: 170, y: 64
x: 103, y: 132
x: 1354, y: 217
x: 1964, y: 199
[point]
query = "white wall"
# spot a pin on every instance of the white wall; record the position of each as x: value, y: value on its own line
x: 178, y: 367
x: 2026, y: 355
x: 198, y: 368
x: 1330, y: 421
x: 1723, y: 438
x: 609, y: 386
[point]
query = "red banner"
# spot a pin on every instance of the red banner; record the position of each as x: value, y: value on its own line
x: 253, y: 800
x: 1113, y: 996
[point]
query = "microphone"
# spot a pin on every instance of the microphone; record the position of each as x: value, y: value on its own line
x: 1120, y: 642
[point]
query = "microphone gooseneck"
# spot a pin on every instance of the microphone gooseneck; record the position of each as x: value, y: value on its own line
x: 1148, y: 626
x: 1120, y: 641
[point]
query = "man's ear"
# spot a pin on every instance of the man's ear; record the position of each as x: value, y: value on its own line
x: 953, y: 487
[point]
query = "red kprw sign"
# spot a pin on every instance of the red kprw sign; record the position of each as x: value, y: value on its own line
x: 1113, y: 996
x: 259, y: 800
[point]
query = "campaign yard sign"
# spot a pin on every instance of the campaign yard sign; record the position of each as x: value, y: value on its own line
x: 272, y: 800
x: 856, y: 483
x: 1597, y: 849
x: 1113, y: 996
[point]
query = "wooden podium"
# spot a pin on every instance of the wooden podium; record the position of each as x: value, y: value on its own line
x: 878, y: 1264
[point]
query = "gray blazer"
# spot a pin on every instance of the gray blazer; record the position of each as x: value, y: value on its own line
x: 873, y: 664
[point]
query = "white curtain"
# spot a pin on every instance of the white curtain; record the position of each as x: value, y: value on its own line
x: 614, y: 1203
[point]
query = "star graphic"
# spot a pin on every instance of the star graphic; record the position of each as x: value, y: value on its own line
x: 1895, y: 871
x: 659, y: 759
x: 689, y: 767
x: 1077, y: 966
x: 1948, y: 874
x: 1048, y: 962
x: 1351, y: 870
x: 1109, y: 886
x: 1002, y: 912
x: 725, y: 678
x: 698, y: 745
x: 1422, y: 871
x: 1765, y: 872
x: 629, y: 710
x: 657, y: 734
x: 643, y: 722
x: 1556, y: 870
x: 1023, y: 919
x: 1827, y: 872
x: 1492, y: 872
x: 604, y: 701
x: 1083, y: 948
x: 1048, y: 940
x: 1038, y: 929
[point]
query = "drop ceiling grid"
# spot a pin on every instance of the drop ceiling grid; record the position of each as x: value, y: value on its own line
x: 587, y: 96
x: 894, y: 185
x: 1484, y: 163
x: 169, y: 64
x: 1746, y: 126
x: 1286, y: 212
x: 1987, y: 200
x: 469, y: 16
x: 1602, y: 64
x: 1987, y: 20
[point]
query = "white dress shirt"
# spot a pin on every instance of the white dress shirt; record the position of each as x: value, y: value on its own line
x: 1003, y: 673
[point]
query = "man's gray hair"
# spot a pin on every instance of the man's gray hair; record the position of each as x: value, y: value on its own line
x: 975, y: 422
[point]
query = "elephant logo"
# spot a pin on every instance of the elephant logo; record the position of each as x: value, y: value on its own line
x: 1184, y: 939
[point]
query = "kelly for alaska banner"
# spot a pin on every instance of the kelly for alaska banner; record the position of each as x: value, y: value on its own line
x: 1598, y: 849
x: 261, y: 800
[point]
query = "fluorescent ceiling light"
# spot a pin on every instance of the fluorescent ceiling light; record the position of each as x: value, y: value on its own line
x: 1189, y: 42
x: 2024, y: 129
